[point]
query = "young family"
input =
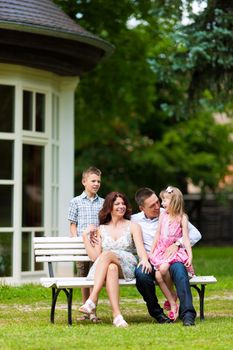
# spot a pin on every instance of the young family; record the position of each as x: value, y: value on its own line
x: 162, y: 236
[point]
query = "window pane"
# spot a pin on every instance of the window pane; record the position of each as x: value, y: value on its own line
x: 40, y: 112
x: 6, y: 156
x: 26, y: 251
x: 55, y: 118
x: 6, y: 205
x: 6, y: 249
x: 33, y: 186
x: 39, y: 265
x: 27, y: 110
x: 7, y: 108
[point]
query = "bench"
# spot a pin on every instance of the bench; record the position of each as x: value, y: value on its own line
x: 66, y: 249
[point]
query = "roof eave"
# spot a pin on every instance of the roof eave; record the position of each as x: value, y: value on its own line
x: 54, y: 32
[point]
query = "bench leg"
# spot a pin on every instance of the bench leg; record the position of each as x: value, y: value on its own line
x: 201, y: 293
x: 69, y: 297
x: 55, y: 293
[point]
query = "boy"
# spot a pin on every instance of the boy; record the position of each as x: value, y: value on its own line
x: 83, y: 213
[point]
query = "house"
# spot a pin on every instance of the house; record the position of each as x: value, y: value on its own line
x: 43, y: 54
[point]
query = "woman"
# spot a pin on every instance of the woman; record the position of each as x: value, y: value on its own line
x: 113, y: 255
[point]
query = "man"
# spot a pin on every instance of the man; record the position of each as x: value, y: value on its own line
x: 149, y: 205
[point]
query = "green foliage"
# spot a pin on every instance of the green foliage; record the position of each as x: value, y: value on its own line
x: 192, y: 149
x: 143, y: 115
x: 208, y: 55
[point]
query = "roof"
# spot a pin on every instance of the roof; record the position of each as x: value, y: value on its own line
x: 37, y: 20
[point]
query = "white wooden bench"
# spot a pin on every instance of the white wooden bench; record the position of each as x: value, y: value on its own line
x: 67, y: 249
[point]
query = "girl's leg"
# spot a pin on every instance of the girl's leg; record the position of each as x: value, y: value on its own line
x: 166, y: 291
x: 164, y: 288
x: 169, y: 283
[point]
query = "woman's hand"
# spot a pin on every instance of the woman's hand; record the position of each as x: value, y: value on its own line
x: 146, y: 266
x: 91, y: 234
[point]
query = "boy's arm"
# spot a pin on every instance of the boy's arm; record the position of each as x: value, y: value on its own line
x: 72, y: 217
x: 73, y: 229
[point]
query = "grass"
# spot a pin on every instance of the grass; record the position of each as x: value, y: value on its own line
x: 24, y: 316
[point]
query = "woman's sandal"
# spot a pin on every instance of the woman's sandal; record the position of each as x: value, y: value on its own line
x: 88, y: 307
x: 93, y: 318
x: 174, y: 314
x: 120, y: 322
x: 83, y: 318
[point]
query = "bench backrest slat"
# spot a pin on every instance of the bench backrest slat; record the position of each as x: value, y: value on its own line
x: 60, y: 251
x: 59, y: 245
x: 62, y: 258
x: 57, y: 240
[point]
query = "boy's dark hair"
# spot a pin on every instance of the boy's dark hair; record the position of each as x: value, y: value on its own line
x: 142, y: 194
x: 91, y: 170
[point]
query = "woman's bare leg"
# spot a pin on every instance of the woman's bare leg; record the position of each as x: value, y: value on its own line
x: 105, y: 259
x: 112, y: 287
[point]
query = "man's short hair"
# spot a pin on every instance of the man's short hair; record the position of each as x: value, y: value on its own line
x: 91, y: 170
x: 142, y: 194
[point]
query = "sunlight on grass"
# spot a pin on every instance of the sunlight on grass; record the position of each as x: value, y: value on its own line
x: 24, y: 316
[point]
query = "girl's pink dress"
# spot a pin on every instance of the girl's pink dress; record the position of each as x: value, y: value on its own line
x: 170, y: 233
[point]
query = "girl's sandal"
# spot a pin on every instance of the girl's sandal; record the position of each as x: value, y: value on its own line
x: 167, y: 305
x: 88, y: 307
x: 119, y: 322
x: 174, y: 314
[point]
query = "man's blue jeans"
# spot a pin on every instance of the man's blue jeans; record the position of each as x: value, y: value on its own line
x: 146, y: 287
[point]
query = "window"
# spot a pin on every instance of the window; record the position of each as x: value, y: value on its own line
x: 33, y: 111
x: 7, y: 96
x: 33, y: 186
x: 6, y: 156
x: 6, y: 256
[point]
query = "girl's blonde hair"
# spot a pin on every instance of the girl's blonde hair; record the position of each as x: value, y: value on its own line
x: 176, y: 201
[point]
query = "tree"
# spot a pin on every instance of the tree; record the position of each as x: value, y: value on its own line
x: 134, y: 118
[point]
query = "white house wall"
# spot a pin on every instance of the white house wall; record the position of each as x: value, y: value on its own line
x: 51, y: 84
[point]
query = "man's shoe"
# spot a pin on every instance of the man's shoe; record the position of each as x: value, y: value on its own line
x: 188, y: 322
x: 162, y: 318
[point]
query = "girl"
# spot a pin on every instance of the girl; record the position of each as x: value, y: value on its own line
x: 173, y: 224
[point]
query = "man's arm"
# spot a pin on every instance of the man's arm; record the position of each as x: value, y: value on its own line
x: 194, y: 235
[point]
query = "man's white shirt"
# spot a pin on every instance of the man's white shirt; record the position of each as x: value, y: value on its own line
x: 149, y: 227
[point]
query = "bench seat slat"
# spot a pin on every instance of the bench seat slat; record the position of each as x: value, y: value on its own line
x: 202, y: 280
x: 76, y: 282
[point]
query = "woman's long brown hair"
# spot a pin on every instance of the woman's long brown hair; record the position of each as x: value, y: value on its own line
x: 105, y: 212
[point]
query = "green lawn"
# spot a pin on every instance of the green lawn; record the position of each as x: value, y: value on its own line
x: 24, y: 316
